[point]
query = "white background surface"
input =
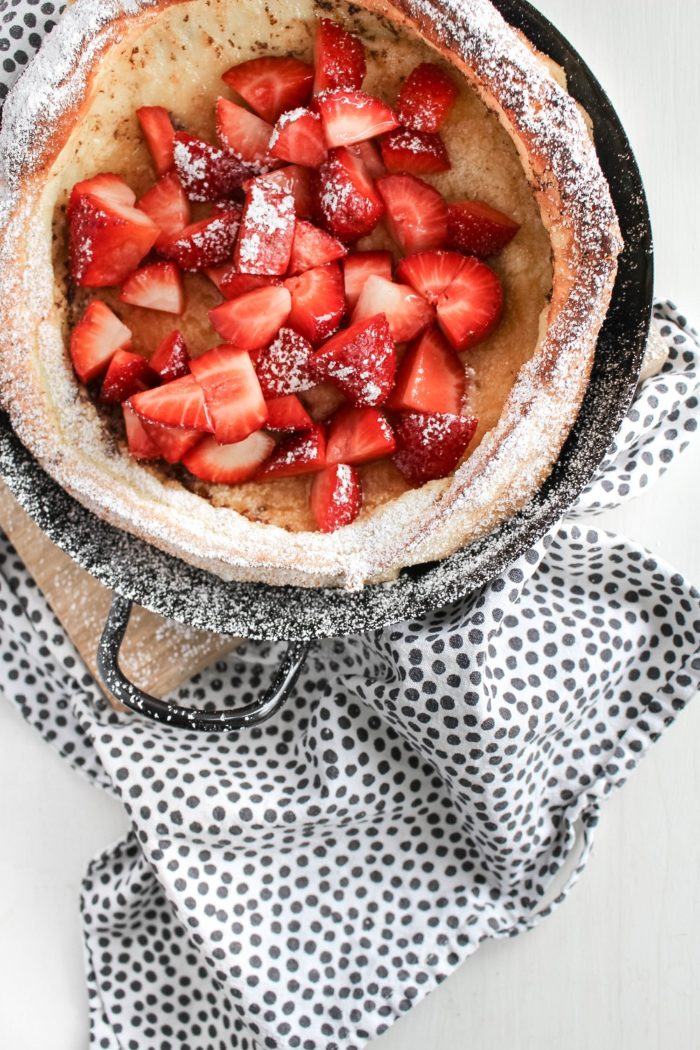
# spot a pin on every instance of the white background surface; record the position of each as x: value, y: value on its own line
x: 619, y: 965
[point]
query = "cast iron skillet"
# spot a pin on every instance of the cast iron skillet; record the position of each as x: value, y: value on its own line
x: 137, y: 572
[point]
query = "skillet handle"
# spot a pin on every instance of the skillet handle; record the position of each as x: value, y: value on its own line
x: 186, y: 717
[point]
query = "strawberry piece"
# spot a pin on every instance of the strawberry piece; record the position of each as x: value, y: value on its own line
x: 169, y: 207
x: 361, y: 265
x: 292, y: 179
x: 271, y: 86
x: 368, y: 153
x: 229, y: 464
x: 283, y: 366
x: 318, y: 302
x: 426, y: 98
x: 267, y: 231
x: 414, y: 152
x: 346, y: 199
x: 287, y: 413
x: 471, y: 307
x: 416, y: 214
x: 171, y: 359
x: 430, y: 273
x: 359, y: 435
x: 430, y: 446
x: 313, y: 247
x: 298, y: 137
x: 127, y: 374
x: 336, y: 497
x: 360, y: 361
x: 107, y: 241
x: 297, y: 454
x: 254, y: 319
x: 172, y: 442
x: 339, y: 58
x: 477, y: 229
x: 406, y: 312
x: 204, y: 244
x: 156, y: 287
x: 96, y: 339
x: 232, y: 282
x: 206, y: 172
x: 159, y: 132
x: 141, y: 445
x: 430, y: 378
x: 232, y: 393
x: 245, y: 135
x: 108, y: 188
x: 353, y: 116
x: 177, y: 404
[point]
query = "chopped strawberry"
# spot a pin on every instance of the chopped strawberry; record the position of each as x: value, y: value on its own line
x: 156, y: 287
x: 430, y: 273
x: 353, y: 116
x: 159, y: 132
x: 295, y: 180
x: 360, y: 361
x: 95, y: 340
x: 477, y: 229
x: 232, y: 283
x: 107, y: 241
x: 141, y: 445
x: 318, y: 302
x: 254, y: 319
x: 298, y: 138
x: 206, y: 172
x: 431, y: 378
x: 368, y: 153
x: 431, y: 446
x: 232, y: 393
x: 177, y: 404
x: 359, y: 435
x: 471, y: 307
x: 204, y: 244
x: 172, y: 442
x: 245, y: 135
x: 416, y: 214
x: 313, y: 247
x: 272, y: 85
x: 361, y: 265
x: 229, y: 464
x: 426, y: 98
x: 339, y: 58
x: 287, y: 413
x: 108, y: 188
x: 127, y: 374
x: 346, y: 199
x: 406, y: 312
x: 171, y: 359
x: 336, y: 497
x: 169, y: 207
x: 267, y: 230
x: 414, y: 152
x: 283, y: 366
x: 297, y: 454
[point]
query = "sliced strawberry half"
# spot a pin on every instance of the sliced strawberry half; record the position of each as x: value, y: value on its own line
x: 426, y: 98
x: 477, y: 229
x: 414, y: 152
x: 159, y: 132
x: 267, y: 231
x: 359, y: 435
x: 430, y: 446
x: 168, y: 206
x: 177, y: 404
x: 141, y: 445
x: 313, y: 247
x: 171, y: 359
x: 359, y: 266
x: 229, y: 464
x: 96, y: 338
x: 298, y: 138
x: 232, y: 393
x: 204, y: 244
x: 360, y: 361
x: 172, y: 442
x: 245, y: 135
x: 318, y: 302
x: 109, y: 188
x: 283, y: 366
x: 298, y: 454
x: 287, y: 413
x: 339, y: 58
x: 127, y: 374
x: 107, y: 241
x: 336, y: 497
x: 368, y: 153
x: 295, y: 180
x: 232, y: 283
x: 407, y: 312
x: 431, y: 378
x: 471, y: 307
x: 254, y: 319
x: 156, y: 287
x: 346, y: 200
x: 416, y: 214
x: 206, y: 172
x: 271, y: 85
x: 430, y: 273
x: 353, y: 116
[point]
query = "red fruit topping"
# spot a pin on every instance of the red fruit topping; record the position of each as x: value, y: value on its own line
x: 110, y: 189
x: 254, y: 319
x: 233, y: 283
x: 298, y: 138
x: 206, y: 243
x: 172, y: 442
x: 416, y: 214
x: 127, y: 374
x: 171, y: 359
x: 267, y: 231
x: 406, y: 312
x: 339, y: 58
x: 469, y: 310
x: 206, y: 172
x: 368, y: 153
x: 283, y: 367
x: 293, y: 179
x: 477, y: 229
x: 245, y: 135
x: 346, y: 199
x: 313, y: 247
x: 361, y: 265
x: 359, y: 435
x: 141, y: 445
x: 271, y: 85
x: 177, y: 404
x: 159, y: 132
x: 318, y: 302
x: 156, y: 287
x: 95, y: 340
x: 360, y: 361
x: 353, y: 116
x: 287, y: 413
x: 298, y: 454
x: 430, y: 273
x: 336, y: 497
x: 107, y: 241
x: 431, y: 446
x: 414, y: 152
x: 229, y: 464
x: 232, y: 393
x: 426, y: 98
x: 430, y: 378
x: 169, y: 207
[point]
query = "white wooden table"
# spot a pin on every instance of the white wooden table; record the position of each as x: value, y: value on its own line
x: 619, y: 965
